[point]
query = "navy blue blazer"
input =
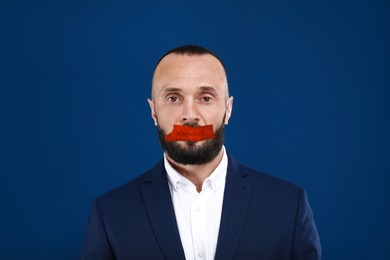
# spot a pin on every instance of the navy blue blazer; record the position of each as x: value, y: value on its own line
x: 263, y: 217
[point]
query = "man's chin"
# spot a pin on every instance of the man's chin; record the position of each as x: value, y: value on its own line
x: 192, y: 153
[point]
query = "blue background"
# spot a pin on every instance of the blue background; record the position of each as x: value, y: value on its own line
x: 311, y: 85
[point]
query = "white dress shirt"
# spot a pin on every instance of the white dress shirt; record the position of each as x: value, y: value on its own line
x: 198, y: 215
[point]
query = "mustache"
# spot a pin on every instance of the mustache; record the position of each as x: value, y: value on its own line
x: 190, y: 133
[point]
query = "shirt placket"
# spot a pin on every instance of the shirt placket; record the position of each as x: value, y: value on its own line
x: 198, y: 223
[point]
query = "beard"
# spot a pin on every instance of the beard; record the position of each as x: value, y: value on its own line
x: 191, y: 153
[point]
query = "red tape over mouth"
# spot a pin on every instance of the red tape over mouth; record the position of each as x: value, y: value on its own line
x: 188, y: 133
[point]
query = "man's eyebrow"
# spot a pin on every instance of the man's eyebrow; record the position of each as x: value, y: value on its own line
x: 207, y: 89
x: 179, y: 90
x: 169, y: 90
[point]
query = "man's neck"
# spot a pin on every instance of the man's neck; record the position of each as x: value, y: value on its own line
x: 197, y: 174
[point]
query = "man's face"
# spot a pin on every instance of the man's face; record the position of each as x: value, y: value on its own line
x: 190, y: 90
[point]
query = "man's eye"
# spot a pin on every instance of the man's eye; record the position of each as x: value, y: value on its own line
x: 207, y: 99
x: 172, y: 99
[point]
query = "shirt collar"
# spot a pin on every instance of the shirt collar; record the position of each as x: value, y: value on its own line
x: 215, y: 180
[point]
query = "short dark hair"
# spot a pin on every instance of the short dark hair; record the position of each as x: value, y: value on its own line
x: 190, y: 50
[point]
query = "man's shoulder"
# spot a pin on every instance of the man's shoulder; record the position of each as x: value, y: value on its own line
x: 263, y: 181
x: 261, y: 176
x: 131, y: 190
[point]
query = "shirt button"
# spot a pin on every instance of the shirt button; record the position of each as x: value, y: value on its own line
x: 201, y: 253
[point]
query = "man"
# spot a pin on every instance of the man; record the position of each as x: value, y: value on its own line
x: 199, y: 202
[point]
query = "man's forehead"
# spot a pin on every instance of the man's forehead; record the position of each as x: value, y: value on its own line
x: 173, y: 65
x: 174, y: 61
x: 180, y: 58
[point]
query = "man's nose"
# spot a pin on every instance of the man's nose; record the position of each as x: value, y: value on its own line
x: 190, y: 112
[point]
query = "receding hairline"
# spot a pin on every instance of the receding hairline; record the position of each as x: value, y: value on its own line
x: 191, y: 50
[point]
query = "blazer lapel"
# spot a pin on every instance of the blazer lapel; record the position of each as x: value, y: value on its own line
x: 235, y: 203
x: 158, y: 204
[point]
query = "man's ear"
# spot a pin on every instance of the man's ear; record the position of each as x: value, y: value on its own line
x: 152, y: 111
x: 229, y: 109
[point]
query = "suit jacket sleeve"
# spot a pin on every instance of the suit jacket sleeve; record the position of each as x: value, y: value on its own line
x: 306, y: 241
x: 96, y: 245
